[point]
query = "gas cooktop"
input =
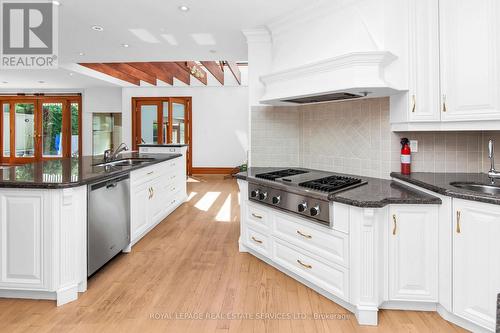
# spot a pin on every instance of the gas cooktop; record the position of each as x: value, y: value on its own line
x: 280, y: 174
x: 331, y: 183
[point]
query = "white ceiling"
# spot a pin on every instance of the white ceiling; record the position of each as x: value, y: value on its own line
x: 222, y: 20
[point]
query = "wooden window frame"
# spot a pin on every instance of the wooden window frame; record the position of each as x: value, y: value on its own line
x: 66, y: 100
x: 136, y: 119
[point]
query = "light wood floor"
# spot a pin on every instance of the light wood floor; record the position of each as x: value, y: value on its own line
x: 189, y: 266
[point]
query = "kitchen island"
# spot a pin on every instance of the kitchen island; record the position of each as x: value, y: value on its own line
x: 43, y: 217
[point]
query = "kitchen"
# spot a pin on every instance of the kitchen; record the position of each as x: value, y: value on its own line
x: 308, y: 166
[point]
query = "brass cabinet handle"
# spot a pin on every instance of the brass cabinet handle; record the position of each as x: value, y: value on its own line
x: 414, y: 103
x: 150, y: 173
x: 459, y: 215
x: 303, y: 235
x: 304, y: 265
x: 395, y: 224
x: 152, y: 192
x: 256, y: 240
x: 256, y: 216
x: 444, y: 103
x: 149, y: 190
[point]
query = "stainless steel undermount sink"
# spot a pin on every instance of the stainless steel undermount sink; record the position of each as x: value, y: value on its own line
x: 126, y: 162
x: 481, y: 188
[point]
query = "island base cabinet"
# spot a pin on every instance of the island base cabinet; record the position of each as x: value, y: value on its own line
x: 476, y: 268
x: 413, y: 248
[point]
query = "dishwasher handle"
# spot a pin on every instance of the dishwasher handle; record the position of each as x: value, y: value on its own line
x: 109, y: 183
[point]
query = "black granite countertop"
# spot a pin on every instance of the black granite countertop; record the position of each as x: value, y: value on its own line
x: 163, y: 145
x: 70, y: 172
x: 376, y: 193
x: 440, y: 183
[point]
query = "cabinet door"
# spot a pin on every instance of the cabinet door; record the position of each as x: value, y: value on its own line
x: 469, y: 38
x: 413, y: 253
x: 424, y: 61
x: 476, y: 261
x: 139, y: 203
x: 158, y: 201
x: 22, y: 247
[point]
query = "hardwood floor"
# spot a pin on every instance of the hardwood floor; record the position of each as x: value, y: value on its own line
x: 189, y: 266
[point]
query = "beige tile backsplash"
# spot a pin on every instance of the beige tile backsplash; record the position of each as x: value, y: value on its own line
x: 354, y: 137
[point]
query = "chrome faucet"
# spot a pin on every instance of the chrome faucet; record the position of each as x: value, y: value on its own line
x: 110, y: 155
x: 491, y: 154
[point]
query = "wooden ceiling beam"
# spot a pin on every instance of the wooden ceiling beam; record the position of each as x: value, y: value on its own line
x: 194, y: 69
x: 132, y: 71
x: 214, y: 68
x: 153, y: 69
x: 233, y: 66
x: 108, y: 70
x: 177, y: 71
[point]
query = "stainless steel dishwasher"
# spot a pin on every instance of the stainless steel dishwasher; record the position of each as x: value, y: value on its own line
x: 108, y: 225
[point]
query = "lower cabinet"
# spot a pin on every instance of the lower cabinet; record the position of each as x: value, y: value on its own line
x: 155, y: 192
x: 476, y: 264
x: 413, y: 249
x: 22, y: 242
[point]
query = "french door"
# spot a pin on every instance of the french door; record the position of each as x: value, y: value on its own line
x: 36, y: 128
x: 162, y: 120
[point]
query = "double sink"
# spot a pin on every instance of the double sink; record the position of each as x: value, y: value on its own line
x: 126, y: 162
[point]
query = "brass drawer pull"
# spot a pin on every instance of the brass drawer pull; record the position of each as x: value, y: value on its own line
x: 256, y: 240
x: 459, y: 215
x: 256, y: 216
x: 304, y: 235
x: 395, y: 224
x: 304, y: 265
x: 150, y: 173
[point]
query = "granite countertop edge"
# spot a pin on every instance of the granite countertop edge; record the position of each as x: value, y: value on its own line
x: 455, y: 193
x: 424, y: 198
x: 158, y: 158
x: 162, y: 145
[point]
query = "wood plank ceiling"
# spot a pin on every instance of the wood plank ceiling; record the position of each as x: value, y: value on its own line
x: 150, y: 72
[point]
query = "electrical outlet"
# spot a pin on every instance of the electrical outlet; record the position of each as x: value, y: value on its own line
x: 414, y: 146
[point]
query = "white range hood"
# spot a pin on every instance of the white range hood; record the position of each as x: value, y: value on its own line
x: 349, y: 76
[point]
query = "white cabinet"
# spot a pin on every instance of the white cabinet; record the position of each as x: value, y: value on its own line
x: 453, y: 67
x: 413, y: 249
x: 155, y: 192
x: 423, y: 61
x: 22, y: 241
x: 476, y: 264
x: 470, y: 59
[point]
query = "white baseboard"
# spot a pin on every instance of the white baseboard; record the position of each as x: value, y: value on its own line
x: 28, y: 294
x: 67, y: 294
x: 408, y: 306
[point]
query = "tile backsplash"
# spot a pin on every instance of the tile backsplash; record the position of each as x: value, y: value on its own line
x: 355, y: 137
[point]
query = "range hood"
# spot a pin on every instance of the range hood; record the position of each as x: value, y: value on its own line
x: 350, y: 76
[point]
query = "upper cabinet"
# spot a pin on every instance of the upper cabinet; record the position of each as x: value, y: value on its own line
x: 469, y: 38
x: 454, y: 71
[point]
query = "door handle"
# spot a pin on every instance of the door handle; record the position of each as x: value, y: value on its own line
x: 303, y: 234
x: 414, y: 103
x: 444, y: 103
x: 395, y: 224
x: 111, y: 185
x: 459, y: 215
x: 304, y: 265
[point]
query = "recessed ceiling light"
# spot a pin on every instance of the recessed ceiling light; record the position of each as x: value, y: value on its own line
x: 81, y: 54
x: 41, y: 81
x: 56, y: 3
x: 184, y: 8
x: 5, y: 82
x: 125, y: 45
x: 97, y: 28
x: 212, y: 51
x: 71, y: 74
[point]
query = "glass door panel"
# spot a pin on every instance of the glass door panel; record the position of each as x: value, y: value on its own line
x: 178, y: 123
x: 52, y: 129
x: 149, y: 123
x: 6, y: 129
x: 24, y: 122
x: 75, y: 128
x: 166, y: 124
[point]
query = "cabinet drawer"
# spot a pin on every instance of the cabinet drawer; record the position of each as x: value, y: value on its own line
x: 327, y: 243
x: 258, y: 241
x: 333, y: 278
x: 258, y: 215
x: 144, y: 175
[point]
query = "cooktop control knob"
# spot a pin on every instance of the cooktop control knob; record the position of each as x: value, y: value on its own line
x: 276, y: 200
x: 262, y: 196
x: 314, y: 211
x: 254, y: 193
x: 302, y: 207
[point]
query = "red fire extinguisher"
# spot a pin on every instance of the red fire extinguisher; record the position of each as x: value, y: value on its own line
x: 405, y: 156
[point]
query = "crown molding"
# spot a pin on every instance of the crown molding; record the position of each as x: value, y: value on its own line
x: 257, y: 35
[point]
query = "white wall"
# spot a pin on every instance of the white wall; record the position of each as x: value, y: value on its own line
x: 220, y: 121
